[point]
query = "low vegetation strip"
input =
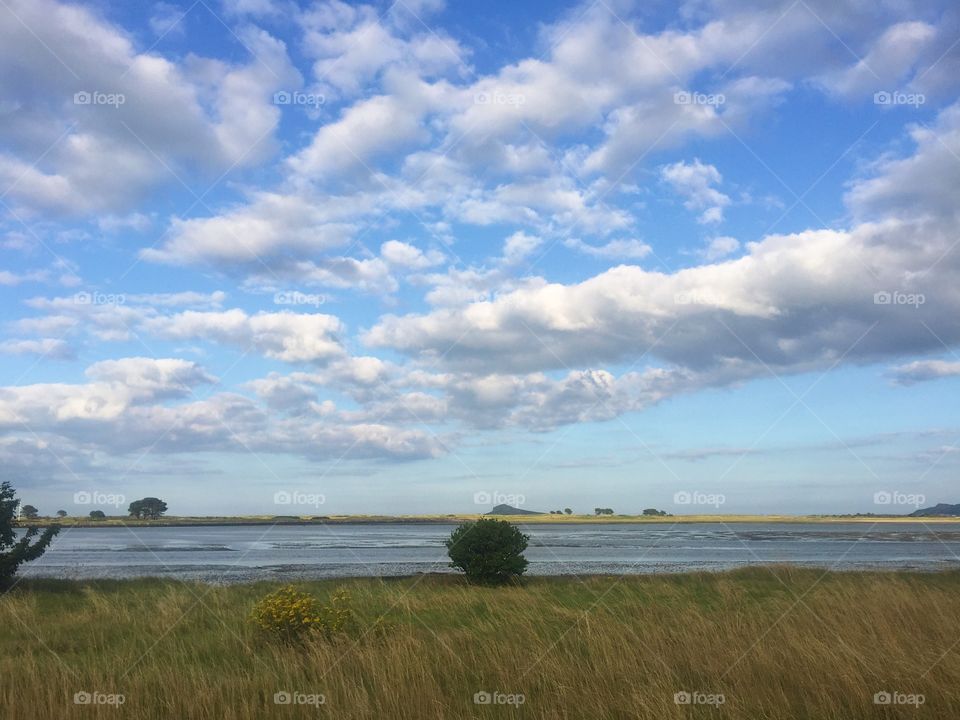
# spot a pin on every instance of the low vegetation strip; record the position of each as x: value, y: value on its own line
x: 756, y: 643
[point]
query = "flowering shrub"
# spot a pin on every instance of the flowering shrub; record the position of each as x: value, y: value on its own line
x: 291, y: 615
x: 338, y: 616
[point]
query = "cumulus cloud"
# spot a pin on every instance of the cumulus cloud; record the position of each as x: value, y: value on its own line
x: 615, y: 249
x: 719, y: 247
x: 291, y: 337
x: 125, y: 407
x: 98, y: 96
x: 694, y: 182
x: 44, y: 347
x: 924, y: 370
x: 790, y: 303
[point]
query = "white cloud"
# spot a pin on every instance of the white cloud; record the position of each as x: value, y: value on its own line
x: 694, y: 182
x: 615, y: 249
x: 44, y: 347
x: 286, y: 336
x: 720, y: 247
x: 925, y: 370
x: 518, y: 246
x: 156, y: 115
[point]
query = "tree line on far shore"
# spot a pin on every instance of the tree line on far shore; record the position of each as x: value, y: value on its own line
x: 148, y: 508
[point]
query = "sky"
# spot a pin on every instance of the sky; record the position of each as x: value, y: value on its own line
x: 290, y: 257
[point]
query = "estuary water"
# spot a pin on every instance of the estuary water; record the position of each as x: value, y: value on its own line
x: 225, y: 554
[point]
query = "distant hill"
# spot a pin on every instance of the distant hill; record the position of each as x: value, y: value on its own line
x: 510, y: 510
x: 941, y: 509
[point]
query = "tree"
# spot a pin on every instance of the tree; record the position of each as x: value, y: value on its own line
x: 13, y: 550
x: 489, y: 551
x: 568, y: 511
x: 654, y: 511
x: 29, y: 512
x: 150, y: 508
x: 97, y: 515
x: 603, y: 511
x: 61, y: 513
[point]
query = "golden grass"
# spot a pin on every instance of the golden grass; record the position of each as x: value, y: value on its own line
x: 776, y: 643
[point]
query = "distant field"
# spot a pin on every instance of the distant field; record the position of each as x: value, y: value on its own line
x: 524, y: 519
x: 772, y: 643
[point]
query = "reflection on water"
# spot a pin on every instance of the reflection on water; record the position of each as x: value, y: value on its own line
x: 237, y: 554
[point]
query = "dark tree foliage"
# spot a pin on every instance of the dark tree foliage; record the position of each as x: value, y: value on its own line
x: 29, y: 512
x: 150, y: 508
x: 97, y: 515
x: 13, y: 551
x: 489, y: 551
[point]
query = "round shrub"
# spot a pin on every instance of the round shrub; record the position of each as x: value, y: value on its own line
x: 489, y: 551
x: 291, y: 615
x: 287, y: 614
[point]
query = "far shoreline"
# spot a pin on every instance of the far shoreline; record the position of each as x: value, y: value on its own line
x: 544, y: 519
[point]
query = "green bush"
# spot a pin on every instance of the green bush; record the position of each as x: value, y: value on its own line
x: 489, y: 551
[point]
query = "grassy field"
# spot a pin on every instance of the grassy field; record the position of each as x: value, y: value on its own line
x: 123, y: 521
x: 773, y: 642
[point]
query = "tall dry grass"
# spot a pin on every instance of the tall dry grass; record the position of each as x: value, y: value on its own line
x: 775, y: 643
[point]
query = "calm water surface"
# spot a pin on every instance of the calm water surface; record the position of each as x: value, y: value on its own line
x: 238, y: 554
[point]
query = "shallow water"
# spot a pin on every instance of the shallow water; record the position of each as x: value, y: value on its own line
x: 237, y: 554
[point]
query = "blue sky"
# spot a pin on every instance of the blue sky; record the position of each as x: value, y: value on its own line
x: 420, y: 258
